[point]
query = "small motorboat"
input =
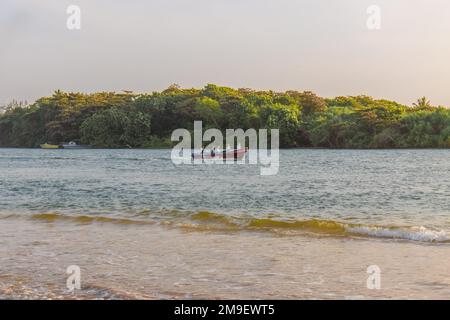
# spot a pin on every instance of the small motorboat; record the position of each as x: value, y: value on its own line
x: 49, y: 146
x: 236, y: 154
x: 73, y: 145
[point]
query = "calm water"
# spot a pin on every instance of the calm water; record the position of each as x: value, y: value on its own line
x: 181, y: 225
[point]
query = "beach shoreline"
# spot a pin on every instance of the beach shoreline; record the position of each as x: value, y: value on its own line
x: 156, y: 262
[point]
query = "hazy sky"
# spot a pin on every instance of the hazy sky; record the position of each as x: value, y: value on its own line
x: 146, y: 45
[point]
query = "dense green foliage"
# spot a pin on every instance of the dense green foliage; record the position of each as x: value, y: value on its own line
x: 147, y: 120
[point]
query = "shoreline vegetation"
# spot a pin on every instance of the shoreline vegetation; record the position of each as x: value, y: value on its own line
x: 305, y: 120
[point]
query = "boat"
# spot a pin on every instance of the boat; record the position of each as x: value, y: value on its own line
x: 49, y: 146
x: 236, y: 154
x: 73, y: 145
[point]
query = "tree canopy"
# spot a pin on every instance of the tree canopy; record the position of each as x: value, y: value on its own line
x: 112, y: 120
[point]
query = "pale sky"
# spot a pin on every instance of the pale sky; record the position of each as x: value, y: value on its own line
x: 146, y: 45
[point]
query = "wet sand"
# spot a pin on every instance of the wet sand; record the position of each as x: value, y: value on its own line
x: 159, y: 262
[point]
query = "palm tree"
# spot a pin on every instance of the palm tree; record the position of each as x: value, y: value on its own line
x: 422, y: 103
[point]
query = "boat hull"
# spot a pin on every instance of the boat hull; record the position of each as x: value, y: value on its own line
x: 237, y: 154
x: 49, y: 146
x: 75, y: 147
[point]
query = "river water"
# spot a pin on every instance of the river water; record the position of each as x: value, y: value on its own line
x: 139, y: 226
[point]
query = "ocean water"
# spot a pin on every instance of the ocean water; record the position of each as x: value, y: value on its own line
x: 143, y: 227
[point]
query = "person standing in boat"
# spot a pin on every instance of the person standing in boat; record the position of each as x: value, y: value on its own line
x: 203, y: 149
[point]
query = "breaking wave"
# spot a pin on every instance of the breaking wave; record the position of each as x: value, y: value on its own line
x: 209, y: 221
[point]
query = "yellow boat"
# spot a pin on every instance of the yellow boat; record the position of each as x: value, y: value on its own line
x: 49, y: 146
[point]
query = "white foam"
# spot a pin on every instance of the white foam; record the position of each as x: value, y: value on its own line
x: 422, y: 234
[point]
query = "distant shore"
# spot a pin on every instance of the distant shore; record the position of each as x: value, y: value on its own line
x: 119, y: 120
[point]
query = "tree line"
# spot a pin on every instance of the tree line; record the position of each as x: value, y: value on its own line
x: 115, y: 120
